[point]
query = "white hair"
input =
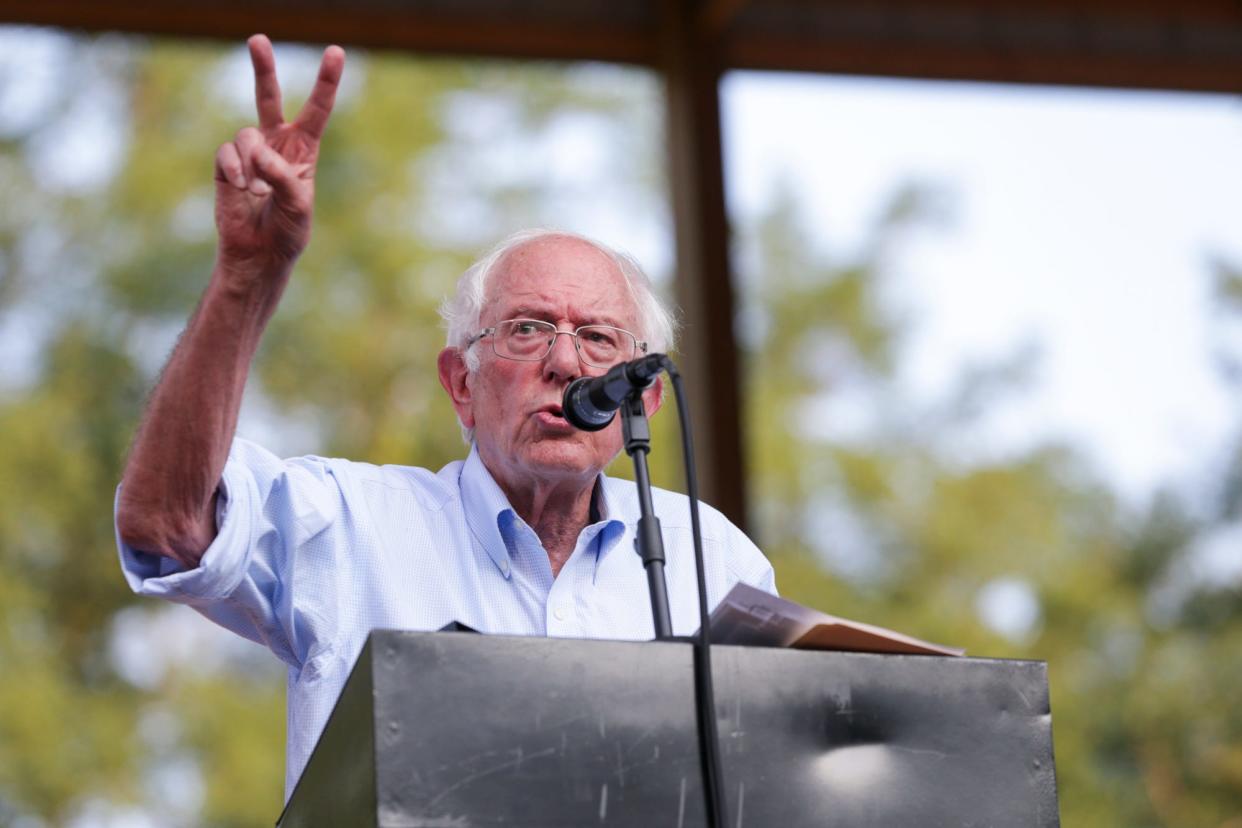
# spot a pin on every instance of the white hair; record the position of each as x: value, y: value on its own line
x: 463, y: 311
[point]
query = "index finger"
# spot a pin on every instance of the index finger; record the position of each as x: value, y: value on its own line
x: 314, y: 115
x: 266, y: 86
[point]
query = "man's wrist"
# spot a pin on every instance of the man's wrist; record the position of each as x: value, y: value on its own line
x: 255, y: 285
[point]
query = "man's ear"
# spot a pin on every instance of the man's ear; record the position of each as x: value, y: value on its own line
x: 453, y: 374
x: 653, y: 397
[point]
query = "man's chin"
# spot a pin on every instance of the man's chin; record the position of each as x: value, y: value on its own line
x: 562, y: 458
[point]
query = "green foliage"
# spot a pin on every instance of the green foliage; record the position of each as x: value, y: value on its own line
x: 907, y: 525
x: 104, y: 275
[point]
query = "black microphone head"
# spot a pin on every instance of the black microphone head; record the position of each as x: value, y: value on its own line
x: 579, y: 411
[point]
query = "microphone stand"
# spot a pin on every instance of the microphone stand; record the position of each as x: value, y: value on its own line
x: 637, y: 434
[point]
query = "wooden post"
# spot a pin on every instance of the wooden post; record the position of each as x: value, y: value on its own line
x: 708, y: 354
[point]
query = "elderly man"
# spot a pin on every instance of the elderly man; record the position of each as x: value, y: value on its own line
x: 525, y: 536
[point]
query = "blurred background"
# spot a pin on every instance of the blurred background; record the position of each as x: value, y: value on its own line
x: 990, y: 350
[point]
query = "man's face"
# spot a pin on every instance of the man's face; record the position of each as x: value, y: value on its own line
x: 514, y: 407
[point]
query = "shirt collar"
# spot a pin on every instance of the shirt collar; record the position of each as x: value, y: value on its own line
x: 606, y: 521
x: 486, y: 506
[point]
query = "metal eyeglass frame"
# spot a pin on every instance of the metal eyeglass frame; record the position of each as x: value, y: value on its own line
x: 640, y: 346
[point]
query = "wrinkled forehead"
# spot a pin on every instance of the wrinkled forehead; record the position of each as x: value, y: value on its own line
x: 559, y: 277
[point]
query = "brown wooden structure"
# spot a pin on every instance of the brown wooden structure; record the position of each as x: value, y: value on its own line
x: 1160, y: 44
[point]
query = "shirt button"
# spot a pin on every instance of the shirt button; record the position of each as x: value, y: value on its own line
x: 559, y: 613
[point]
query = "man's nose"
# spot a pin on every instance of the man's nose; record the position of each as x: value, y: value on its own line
x: 562, y: 360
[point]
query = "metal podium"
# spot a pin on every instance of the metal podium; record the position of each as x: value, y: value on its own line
x: 456, y: 729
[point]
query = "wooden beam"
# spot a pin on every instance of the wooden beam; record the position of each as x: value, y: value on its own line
x: 1155, y: 44
x: 1160, y: 44
x: 708, y: 355
x: 717, y: 15
x: 411, y: 27
x: 989, y: 63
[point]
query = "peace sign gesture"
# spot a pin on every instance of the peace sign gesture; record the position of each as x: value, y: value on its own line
x: 265, y: 176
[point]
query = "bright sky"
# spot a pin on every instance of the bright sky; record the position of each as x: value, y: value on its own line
x: 1083, y: 220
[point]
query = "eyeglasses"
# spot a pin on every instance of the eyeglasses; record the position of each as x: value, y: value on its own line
x: 530, y: 340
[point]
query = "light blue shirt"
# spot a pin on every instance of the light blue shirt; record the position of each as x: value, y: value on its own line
x: 313, y: 553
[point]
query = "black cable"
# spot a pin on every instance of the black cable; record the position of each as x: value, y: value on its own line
x: 705, y: 697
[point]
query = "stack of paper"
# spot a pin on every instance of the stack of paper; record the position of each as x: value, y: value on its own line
x: 752, y: 617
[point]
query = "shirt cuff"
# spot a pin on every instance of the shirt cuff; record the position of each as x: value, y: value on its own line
x: 223, y: 564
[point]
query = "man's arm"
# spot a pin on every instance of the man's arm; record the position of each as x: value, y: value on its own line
x: 264, y: 199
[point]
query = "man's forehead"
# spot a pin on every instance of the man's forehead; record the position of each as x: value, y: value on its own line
x: 538, y: 256
x: 558, y: 269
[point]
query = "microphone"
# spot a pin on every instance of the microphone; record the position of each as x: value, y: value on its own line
x: 590, y: 403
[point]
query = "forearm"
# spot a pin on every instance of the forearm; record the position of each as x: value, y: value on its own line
x: 264, y: 197
x: 168, y: 495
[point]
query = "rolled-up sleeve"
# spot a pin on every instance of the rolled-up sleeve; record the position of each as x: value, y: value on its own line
x: 267, y: 509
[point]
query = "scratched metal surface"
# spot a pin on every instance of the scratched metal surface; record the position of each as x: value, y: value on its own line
x: 498, y: 731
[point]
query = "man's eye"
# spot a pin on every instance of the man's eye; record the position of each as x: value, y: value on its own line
x: 525, y: 329
x: 598, y: 337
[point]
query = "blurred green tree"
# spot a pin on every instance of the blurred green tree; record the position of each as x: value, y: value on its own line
x: 889, y: 509
x: 117, y: 706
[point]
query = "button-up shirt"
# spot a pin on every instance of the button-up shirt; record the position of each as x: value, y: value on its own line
x: 313, y: 553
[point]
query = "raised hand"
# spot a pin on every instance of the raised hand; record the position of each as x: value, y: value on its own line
x: 265, y: 176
